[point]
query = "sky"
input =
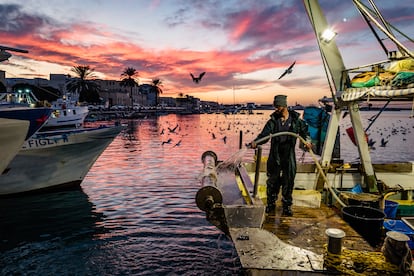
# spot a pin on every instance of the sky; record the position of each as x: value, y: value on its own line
x: 243, y: 46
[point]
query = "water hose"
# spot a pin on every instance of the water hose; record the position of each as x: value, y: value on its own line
x: 313, y: 157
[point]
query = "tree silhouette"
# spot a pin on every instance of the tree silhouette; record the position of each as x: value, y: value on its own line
x: 84, y: 84
x: 156, y: 83
x: 129, y: 80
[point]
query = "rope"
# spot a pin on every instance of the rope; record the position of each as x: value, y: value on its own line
x: 352, y: 262
x: 328, y: 185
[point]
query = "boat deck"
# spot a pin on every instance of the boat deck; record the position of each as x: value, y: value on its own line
x: 296, y: 244
x: 271, y: 244
x: 306, y: 228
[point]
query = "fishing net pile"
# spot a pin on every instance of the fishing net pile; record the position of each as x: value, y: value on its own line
x: 352, y: 262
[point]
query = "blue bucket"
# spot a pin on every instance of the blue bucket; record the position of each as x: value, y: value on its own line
x: 390, y: 209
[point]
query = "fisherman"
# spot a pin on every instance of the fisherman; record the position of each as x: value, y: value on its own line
x: 281, y: 164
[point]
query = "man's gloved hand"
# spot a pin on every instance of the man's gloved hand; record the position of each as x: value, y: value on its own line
x: 251, y: 145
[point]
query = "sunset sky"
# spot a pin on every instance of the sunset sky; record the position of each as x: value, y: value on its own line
x: 243, y: 46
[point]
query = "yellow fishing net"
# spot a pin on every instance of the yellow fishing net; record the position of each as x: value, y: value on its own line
x: 352, y: 262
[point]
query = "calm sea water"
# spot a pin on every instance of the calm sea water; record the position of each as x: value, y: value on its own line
x: 135, y: 212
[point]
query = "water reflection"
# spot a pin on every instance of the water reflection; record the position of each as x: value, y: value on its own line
x: 35, y: 218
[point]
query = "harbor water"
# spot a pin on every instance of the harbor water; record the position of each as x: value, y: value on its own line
x: 135, y: 213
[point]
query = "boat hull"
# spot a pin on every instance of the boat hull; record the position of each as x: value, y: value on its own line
x: 36, y: 116
x: 12, y: 135
x: 55, y: 160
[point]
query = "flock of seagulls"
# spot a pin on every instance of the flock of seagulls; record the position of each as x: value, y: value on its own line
x: 386, y: 134
x: 169, y: 140
x: 218, y: 131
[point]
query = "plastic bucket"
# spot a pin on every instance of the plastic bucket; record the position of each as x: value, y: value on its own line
x: 390, y: 209
x: 367, y: 221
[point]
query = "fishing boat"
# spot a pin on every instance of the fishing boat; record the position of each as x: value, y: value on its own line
x: 66, y: 113
x: 55, y: 160
x: 334, y: 230
x: 12, y: 135
x: 37, y: 117
x: 18, y: 124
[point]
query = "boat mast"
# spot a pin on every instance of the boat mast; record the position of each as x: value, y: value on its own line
x: 384, y: 27
x: 339, y: 80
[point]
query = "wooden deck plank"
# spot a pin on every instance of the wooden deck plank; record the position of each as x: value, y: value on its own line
x: 306, y: 229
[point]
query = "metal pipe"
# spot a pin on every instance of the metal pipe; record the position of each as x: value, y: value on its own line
x: 241, y: 140
x: 257, y: 172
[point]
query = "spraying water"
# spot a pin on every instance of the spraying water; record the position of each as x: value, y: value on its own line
x: 233, y: 161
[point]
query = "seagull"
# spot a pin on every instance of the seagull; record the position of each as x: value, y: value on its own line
x: 172, y: 130
x: 195, y: 79
x: 287, y: 71
x: 166, y: 142
x: 177, y: 144
x: 383, y: 142
x: 371, y: 144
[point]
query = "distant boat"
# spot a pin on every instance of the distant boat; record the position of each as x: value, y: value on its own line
x: 55, y: 160
x: 297, y: 107
x: 66, y: 113
x: 12, y: 135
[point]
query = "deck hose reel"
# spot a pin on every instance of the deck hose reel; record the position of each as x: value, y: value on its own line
x: 209, y: 195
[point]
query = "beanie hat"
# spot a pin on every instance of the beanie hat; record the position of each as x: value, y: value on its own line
x: 280, y: 100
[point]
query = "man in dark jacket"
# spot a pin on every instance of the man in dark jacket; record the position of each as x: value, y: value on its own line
x: 281, y: 164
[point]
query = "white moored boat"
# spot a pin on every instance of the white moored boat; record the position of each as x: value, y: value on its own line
x: 12, y: 135
x: 66, y: 113
x: 55, y: 159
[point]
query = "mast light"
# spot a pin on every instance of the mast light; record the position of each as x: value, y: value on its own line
x: 328, y: 35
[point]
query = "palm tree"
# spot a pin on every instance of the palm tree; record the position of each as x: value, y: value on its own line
x: 129, y: 80
x: 156, y: 83
x: 84, y: 84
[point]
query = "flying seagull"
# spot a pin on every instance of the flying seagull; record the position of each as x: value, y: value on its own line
x: 172, y: 130
x: 287, y: 71
x: 166, y: 142
x: 195, y: 79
